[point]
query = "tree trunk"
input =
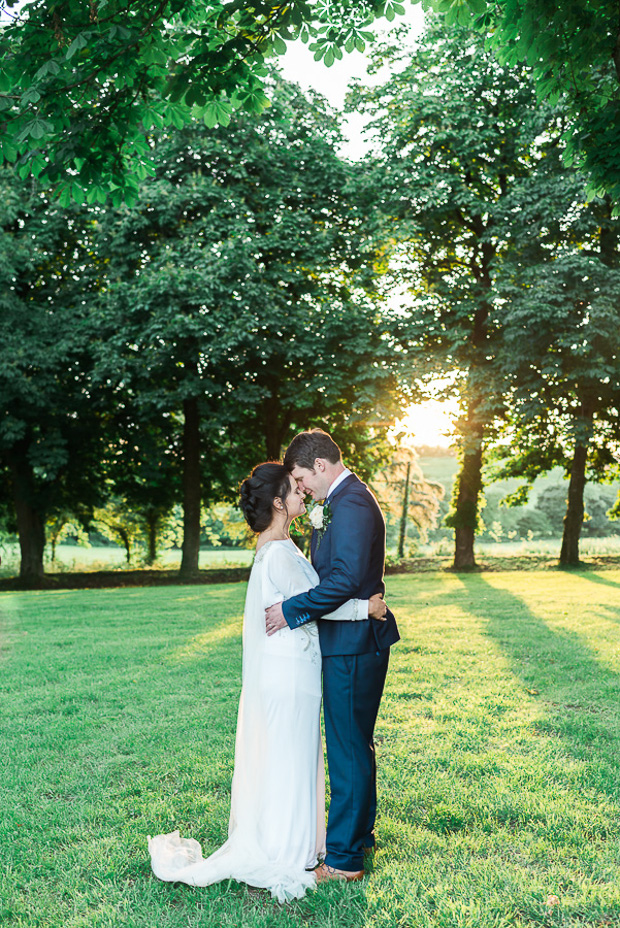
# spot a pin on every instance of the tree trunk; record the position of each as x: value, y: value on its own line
x: 276, y: 419
x: 152, y: 521
x: 30, y: 525
x: 467, y: 495
x: 403, y: 518
x: 573, y: 520
x: 272, y: 438
x: 608, y: 238
x: 468, y: 485
x: 469, y: 488
x: 126, y: 539
x: 31, y: 543
x: 191, y: 488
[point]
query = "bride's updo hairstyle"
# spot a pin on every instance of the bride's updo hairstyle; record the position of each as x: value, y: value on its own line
x: 258, y: 492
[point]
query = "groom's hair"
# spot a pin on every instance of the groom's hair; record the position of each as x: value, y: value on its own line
x: 306, y: 447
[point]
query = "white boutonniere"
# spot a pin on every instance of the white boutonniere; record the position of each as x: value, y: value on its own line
x: 320, y: 517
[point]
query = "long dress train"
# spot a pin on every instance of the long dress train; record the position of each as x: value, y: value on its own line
x: 277, y: 818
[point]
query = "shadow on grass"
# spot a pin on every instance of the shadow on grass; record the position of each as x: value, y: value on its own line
x: 580, y: 695
x: 595, y: 578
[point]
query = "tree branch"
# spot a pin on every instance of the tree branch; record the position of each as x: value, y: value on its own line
x: 616, y: 51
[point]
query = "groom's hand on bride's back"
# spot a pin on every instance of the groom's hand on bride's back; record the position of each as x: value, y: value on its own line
x: 274, y: 619
x: 377, y: 607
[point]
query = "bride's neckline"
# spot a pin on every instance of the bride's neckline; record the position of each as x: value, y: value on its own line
x: 260, y: 553
x: 271, y: 541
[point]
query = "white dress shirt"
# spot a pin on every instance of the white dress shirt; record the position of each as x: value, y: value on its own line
x: 345, y: 473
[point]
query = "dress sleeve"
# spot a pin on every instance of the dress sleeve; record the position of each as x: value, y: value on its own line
x: 282, y: 576
x: 354, y: 610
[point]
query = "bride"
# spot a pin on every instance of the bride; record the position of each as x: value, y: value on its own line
x: 276, y: 831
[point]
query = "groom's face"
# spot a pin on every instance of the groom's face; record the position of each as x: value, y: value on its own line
x: 313, y: 482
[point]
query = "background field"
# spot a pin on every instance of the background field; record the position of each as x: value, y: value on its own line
x: 70, y: 557
x: 502, y: 536
x: 497, y: 745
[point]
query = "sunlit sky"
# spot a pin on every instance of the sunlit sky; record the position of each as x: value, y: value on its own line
x: 298, y: 65
x: 429, y: 423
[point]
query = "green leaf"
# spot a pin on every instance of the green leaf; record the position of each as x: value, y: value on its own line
x: 223, y: 115
x: 9, y: 150
x: 155, y: 55
x: 39, y: 127
x: 195, y: 96
x: 64, y: 197
x: 176, y: 115
x: 210, y: 116
x: 31, y: 95
x: 35, y: 129
x: 79, y: 42
x: 96, y: 194
x: 38, y: 165
x: 78, y: 193
x: 117, y: 198
x: 50, y: 67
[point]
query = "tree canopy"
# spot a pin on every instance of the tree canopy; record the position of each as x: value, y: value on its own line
x: 52, y: 433
x: 230, y: 306
x: 82, y: 84
x: 457, y: 138
x: 561, y: 344
x: 573, y: 51
x: 509, y: 281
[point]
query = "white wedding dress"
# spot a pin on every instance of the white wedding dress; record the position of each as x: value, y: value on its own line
x: 277, y: 817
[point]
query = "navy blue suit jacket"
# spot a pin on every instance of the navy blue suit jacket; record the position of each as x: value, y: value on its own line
x: 349, y: 560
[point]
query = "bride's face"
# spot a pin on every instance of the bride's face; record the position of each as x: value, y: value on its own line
x: 295, y: 499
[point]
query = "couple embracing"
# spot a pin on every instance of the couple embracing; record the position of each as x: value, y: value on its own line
x: 301, y: 619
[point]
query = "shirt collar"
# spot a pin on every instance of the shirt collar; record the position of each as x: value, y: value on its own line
x: 346, y: 473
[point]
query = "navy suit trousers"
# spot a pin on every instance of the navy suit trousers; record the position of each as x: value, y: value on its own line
x: 352, y: 690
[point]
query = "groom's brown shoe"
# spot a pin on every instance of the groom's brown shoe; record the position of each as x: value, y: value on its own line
x: 324, y: 872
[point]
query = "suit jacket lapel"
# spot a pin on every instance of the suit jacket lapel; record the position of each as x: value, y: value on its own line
x: 347, y: 482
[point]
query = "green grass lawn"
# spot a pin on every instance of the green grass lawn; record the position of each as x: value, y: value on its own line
x: 498, y: 749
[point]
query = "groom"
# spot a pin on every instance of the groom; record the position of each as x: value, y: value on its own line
x: 348, y: 553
